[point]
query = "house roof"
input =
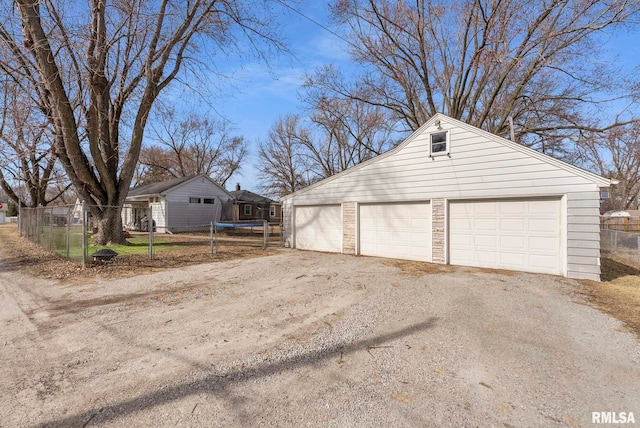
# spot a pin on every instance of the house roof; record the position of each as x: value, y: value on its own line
x: 158, y: 187
x: 164, y: 186
x: 600, y: 181
x: 250, y: 197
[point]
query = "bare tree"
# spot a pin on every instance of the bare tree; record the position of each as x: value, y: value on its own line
x: 281, y: 158
x: 193, y: 145
x: 480, y: 61
x: 615, y: 154
x: 30, y: 174
x: 348, y: 132
x: 100, y: 67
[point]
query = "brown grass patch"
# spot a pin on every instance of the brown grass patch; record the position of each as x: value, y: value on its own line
x: 490, y: 270
x: 409, y: 267
x: 618, y: 294
x: 20, y: 254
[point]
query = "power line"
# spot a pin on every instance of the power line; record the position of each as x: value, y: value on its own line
x: 282, y: 3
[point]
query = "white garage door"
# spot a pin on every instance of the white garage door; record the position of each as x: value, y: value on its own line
x: 319, y: 228
x: 396, y: 230
x: 508, y: 234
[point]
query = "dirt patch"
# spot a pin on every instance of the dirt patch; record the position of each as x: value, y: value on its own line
x: 20, y: 254
x: 618, y: 294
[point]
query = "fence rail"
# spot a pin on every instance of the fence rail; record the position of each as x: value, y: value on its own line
x: 67, y: 230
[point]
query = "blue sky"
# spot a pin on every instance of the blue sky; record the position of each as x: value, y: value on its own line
x: 261, y: 94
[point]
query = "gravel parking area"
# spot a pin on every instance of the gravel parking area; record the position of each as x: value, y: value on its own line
x: 311, y: 339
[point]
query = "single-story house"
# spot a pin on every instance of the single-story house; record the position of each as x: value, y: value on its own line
x: 176, y: 205
x: 251, y: 206
x: 454, y: 194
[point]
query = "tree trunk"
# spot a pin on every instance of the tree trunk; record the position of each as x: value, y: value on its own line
x: 109, y: 226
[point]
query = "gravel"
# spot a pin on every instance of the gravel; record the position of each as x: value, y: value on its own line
x: 311, y: 339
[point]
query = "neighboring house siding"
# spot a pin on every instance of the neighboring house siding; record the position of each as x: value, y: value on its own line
x: 199, y: 187
x: 159, y: 215
x: 184, y: 215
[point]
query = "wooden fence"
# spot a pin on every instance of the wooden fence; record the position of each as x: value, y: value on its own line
x: 625, y: 224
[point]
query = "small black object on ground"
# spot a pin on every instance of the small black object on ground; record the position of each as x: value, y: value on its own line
x: 104, y: 255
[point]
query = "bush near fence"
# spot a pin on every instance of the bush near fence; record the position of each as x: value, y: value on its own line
x: 67, y: 231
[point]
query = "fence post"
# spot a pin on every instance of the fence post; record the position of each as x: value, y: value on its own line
x: 68, y: 237
x: 265, y: 233
x: 51, y: 222
x: 150, y: 229
x: 84, y: 234
x: 211, y: 238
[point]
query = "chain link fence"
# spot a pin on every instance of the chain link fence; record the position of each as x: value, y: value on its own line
x: 621, y: 246
x: 68, y: 231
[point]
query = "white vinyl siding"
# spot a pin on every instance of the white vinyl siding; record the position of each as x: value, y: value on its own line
x: 180, y: 213
x: 318, y: 228
x: 159, y: 215
x: 477, y: 168
x: 397, y: 230
x: 520, y: 234
x: 583, y: 234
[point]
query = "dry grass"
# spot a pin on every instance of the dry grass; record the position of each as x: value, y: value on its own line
x: 618, y: 294
x: 409, y: 267
x: 20, y: 254
x: 493, y: 271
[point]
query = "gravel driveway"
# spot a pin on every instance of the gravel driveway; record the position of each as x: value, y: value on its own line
x: 310, y: 339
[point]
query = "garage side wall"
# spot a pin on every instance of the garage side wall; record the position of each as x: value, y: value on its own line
x: 583, y: 235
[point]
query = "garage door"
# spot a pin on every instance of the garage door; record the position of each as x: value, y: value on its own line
x: 507, y: 234
x: 319, y: 228
x: 396, y: 230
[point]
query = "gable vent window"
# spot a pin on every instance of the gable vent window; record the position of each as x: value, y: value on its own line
x: 209, y: 201
x: 194, y: 200
x: 439, y: 143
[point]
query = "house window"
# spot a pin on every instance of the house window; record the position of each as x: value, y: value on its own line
x: 439, y: 143
x: 209, y: 201
x: 272, y: 211
x: 193, y: 200
x: 247, y: 210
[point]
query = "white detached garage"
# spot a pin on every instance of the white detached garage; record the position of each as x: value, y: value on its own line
x: 452, y: 193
